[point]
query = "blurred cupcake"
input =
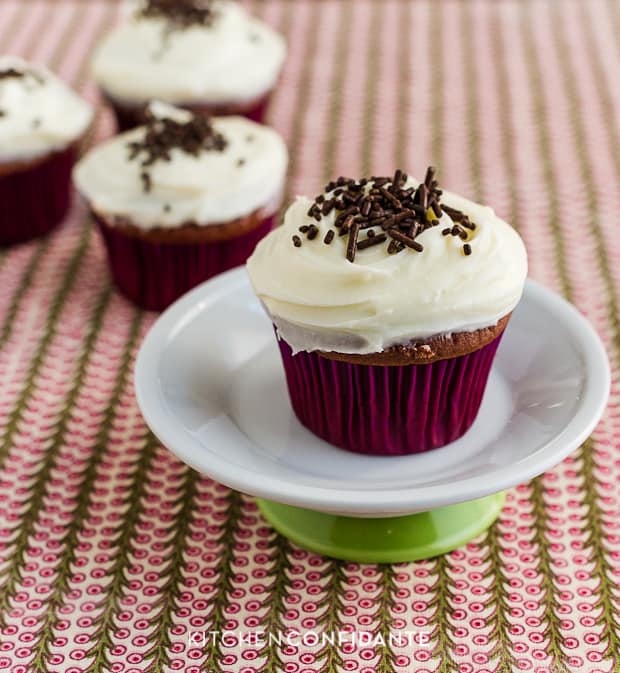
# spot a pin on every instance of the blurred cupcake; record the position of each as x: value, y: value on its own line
x: 41, y: 124
x: 204, y: 55
x: 182, y: 198
x: 389, y: 299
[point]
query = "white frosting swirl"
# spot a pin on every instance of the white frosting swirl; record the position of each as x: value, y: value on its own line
x: 319, y: 300
x: 209, y: 188
x: 235, y: 59
x: 39, y: 113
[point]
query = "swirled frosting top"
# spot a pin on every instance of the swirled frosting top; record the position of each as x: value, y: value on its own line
x: 39, y: 113
x: 184, y: 168
x: 189, y: 51
x: 380, y: 262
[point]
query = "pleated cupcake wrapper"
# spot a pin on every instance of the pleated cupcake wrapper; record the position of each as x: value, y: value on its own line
x: 153, y: 275
x: 391, y: 410
x: 128, y: 117
x: 33, y: 201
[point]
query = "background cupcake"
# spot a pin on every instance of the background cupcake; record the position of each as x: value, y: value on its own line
x: 41, y: 124
x: 182, y: 198
x: 204, y: 55
x: 390, y: 299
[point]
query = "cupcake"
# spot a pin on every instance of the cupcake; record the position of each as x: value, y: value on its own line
x: 204, y: 55
x: 389, y: 299
x: 182, y: 198
x: 41, y: 125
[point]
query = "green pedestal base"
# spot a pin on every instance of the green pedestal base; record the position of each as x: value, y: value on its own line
x: 387, y: 540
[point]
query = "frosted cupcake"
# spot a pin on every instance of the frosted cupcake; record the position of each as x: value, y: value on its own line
x: 204, y: 55
x: 389, y: 299
x: 41, y: 124
x: 182, y: 198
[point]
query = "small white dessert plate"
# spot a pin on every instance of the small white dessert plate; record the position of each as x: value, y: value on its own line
x: 211, y: 386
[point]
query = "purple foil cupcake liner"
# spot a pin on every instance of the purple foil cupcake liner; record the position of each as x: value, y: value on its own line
x: 390, y: 410
x: 34, y: 200
x: 153, y: 275
x: 128, y: 117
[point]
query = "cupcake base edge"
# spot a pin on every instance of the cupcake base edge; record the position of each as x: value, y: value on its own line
x: 388, y: 410
x: 153, y: 272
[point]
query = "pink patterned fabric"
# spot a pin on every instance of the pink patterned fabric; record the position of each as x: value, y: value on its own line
x: 115, y: 557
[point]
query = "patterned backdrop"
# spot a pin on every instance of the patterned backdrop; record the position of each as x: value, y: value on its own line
x: 112, y: 552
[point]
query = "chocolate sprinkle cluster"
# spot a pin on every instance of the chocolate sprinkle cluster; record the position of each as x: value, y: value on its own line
x: 11, y: 73
x: 180, y: 14
x: 386, y: 210
x: 161, y: 136
x: 14, y: 73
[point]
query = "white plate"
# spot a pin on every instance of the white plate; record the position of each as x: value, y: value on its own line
x: 211, y: 386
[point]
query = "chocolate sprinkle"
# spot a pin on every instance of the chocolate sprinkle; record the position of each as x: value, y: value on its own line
x: 371, y: 240
x: 352, y: 242
x: 14, y: 73
x: 313, y: 230
x: 409, y: 242
x: 146, y: 181
x: 402, y: 213
x: 297, y: 241
x: 11, y: 73
x: 161, y: 136
x: 180, y: 14
x: 395, y: 247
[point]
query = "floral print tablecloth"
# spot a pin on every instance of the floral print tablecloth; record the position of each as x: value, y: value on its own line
x: 116, y: 557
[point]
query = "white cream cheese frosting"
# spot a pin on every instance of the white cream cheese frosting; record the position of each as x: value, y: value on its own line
x: 235, y: 58
x: 211, y: 187
x: 39, y: 113
x: 318, y: 300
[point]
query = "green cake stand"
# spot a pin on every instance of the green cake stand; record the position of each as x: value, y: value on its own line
x: 384, y: 540
x: 211, y: 386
